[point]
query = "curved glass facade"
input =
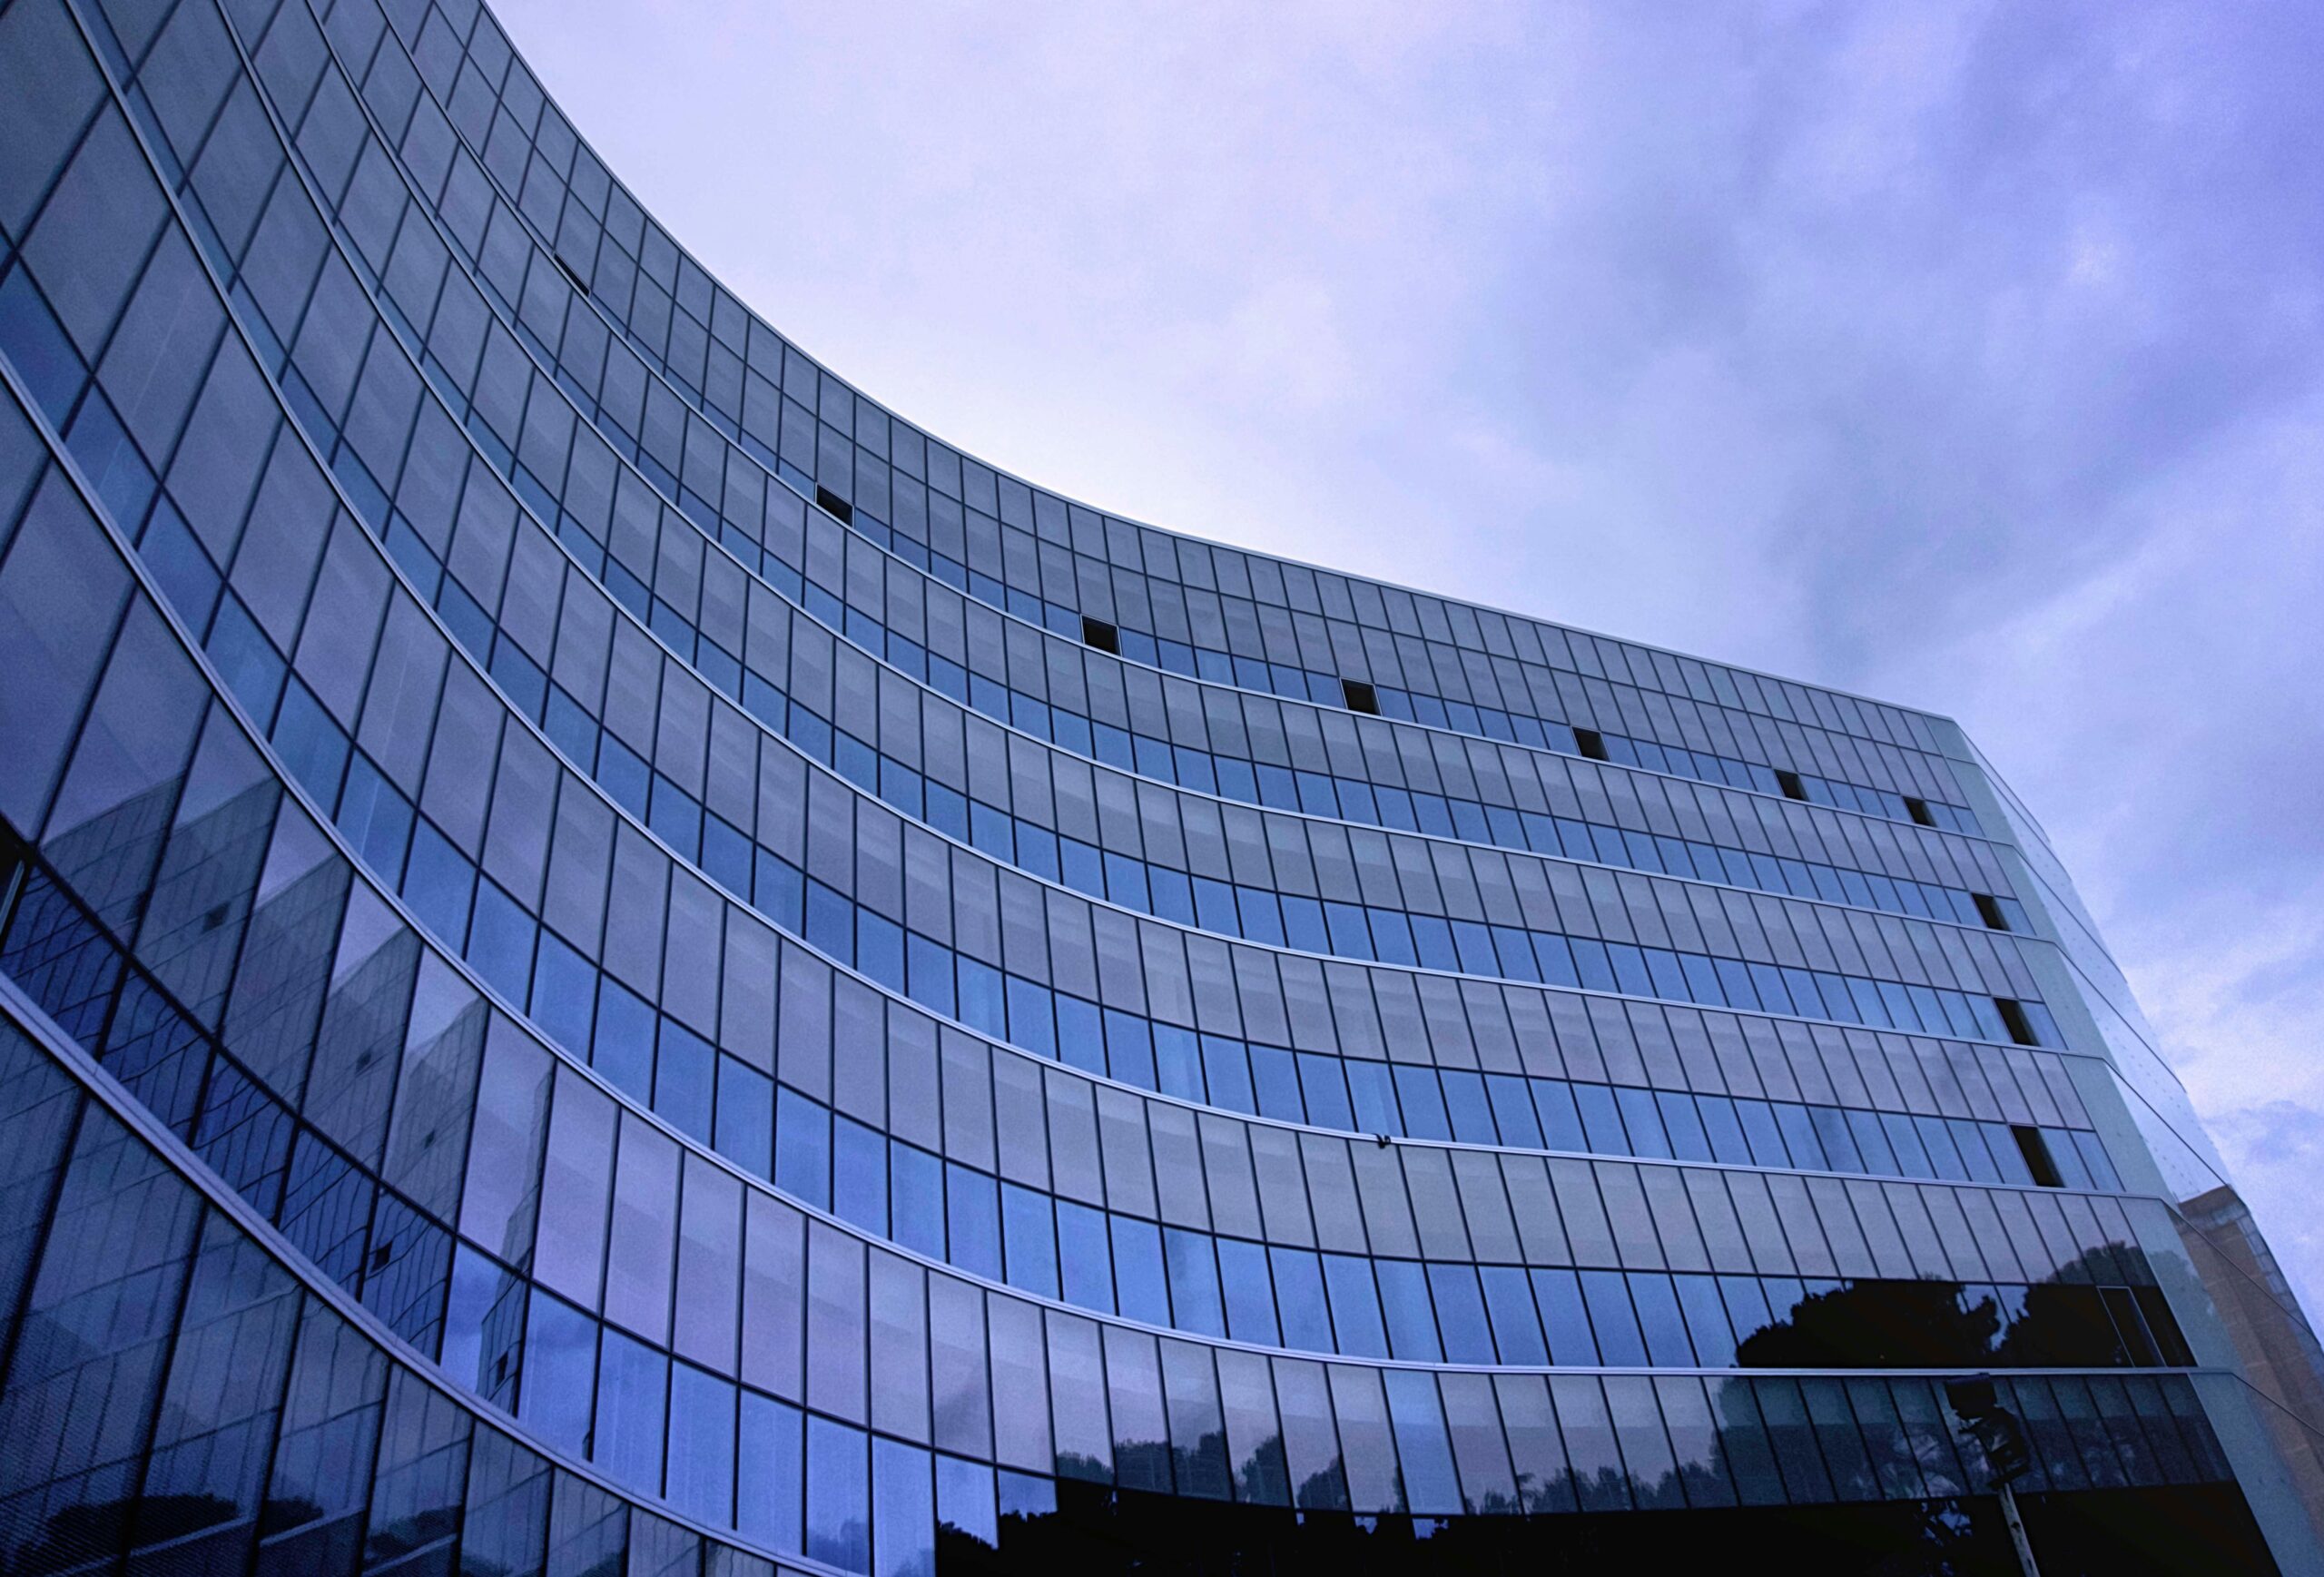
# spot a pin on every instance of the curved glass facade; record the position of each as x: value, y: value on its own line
x: 677, y: 975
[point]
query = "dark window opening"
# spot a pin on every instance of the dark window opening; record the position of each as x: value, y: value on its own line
x: 1100, y: 634
x: 2164, y: 1325
x: 2036, y: 1151
x: 2013, y: 1018
x: 1360, y: 695
x: 2135, y: 1346
x: 1789, y: 781
x: 832, y: 504
x: 570, y: 272
x: 1918, y: 811
x: 1989, y: 910
x: 1592, y: 744
x: 381, y: 1253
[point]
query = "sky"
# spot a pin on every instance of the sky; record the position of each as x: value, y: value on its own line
x: 1966, y: 355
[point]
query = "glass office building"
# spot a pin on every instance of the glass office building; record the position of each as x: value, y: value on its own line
x: 614, y: 960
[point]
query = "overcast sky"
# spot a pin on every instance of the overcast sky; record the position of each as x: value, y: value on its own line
x: 1964, y: 355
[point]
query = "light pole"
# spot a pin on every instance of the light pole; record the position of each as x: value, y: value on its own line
x: 2001, y: 1435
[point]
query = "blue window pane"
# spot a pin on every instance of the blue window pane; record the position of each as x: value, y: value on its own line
x: 1278, y: 1084
x: 1558, y: 1294
x: 702, y: 1445
x: 1261, y: 915
x: 1031, y: 1239
x: 1659, y: 1317
x: 1759, y: 1129
x: 1177, y: 1062
x: 1194, y: 1283
x: 1508, y: 1303
x: 980, y: 1004
x: 780, y: 891
x: 1423, y: 1103
x: 1404, y: 1303
x: 1126, y: 882
x: 1799, y: 1135
x: 930, y: 968
x: 1080, y: 1034
x: 1725, y: 1129
x: 1937, y: 1140
x: 1461, y: 1313
x: 1684, y: 1125
x: 903, y: 1510
x: 1735, y: 983
x: 1643, y: 1122
x: 1032, y: 1017
x: 1591, y: 963
x: 633, y: 1385
x: 2095, y: 1157
x: 1560, y: 1118
x: 726, y: 856
x: 310, y: 744
x: 1138, y: 1282
x: 1130, y: 1048
x: 1837, y: 1144
x: 831, y: 922
x: 1391, y: 937
x: 1375, y: 1097
x: 684, y: 1069
x: 1602, y: 1120
x: 916, y: 1200
x: 1250, y: 1291
x: 1556, y: 958
x: 745, y: 1117
x: 1084, y: 868
x: 839, y: 1520
x: 769, y: 1472
x: 1611, y: 1318
x: 1299, y: 1283
x: 1227, y: 1068
x: 1872, y: 1143
x: 1430, y: 1487
x: 1036, y: 850
x: 1355, y: 1306
x: 2006, y: 1158
x: 1237, y: 781
x: 972, y: 1218
x: 1523, y: 957
x: 964, y: 1501
x: 1433, y: 940
x: 1748, y: 1311
x: 860, y: 1175
x: 803, y: 1163
x: 1320, y: 1081
x: 565, y: 989
x: 623, y: 1047
x: 1084, y: 1258
x: 559, y: 1372
x: 1215, y: 906
x: 1706, y: 1318
x: 1905, y: 1139
x: 1472, y: 1113
x: 438, y: 884
x: 1350, y: 936
x: 245, y: 660
x: 880, y: 949
x: 1303, y: 925
x: 1473, y: 942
